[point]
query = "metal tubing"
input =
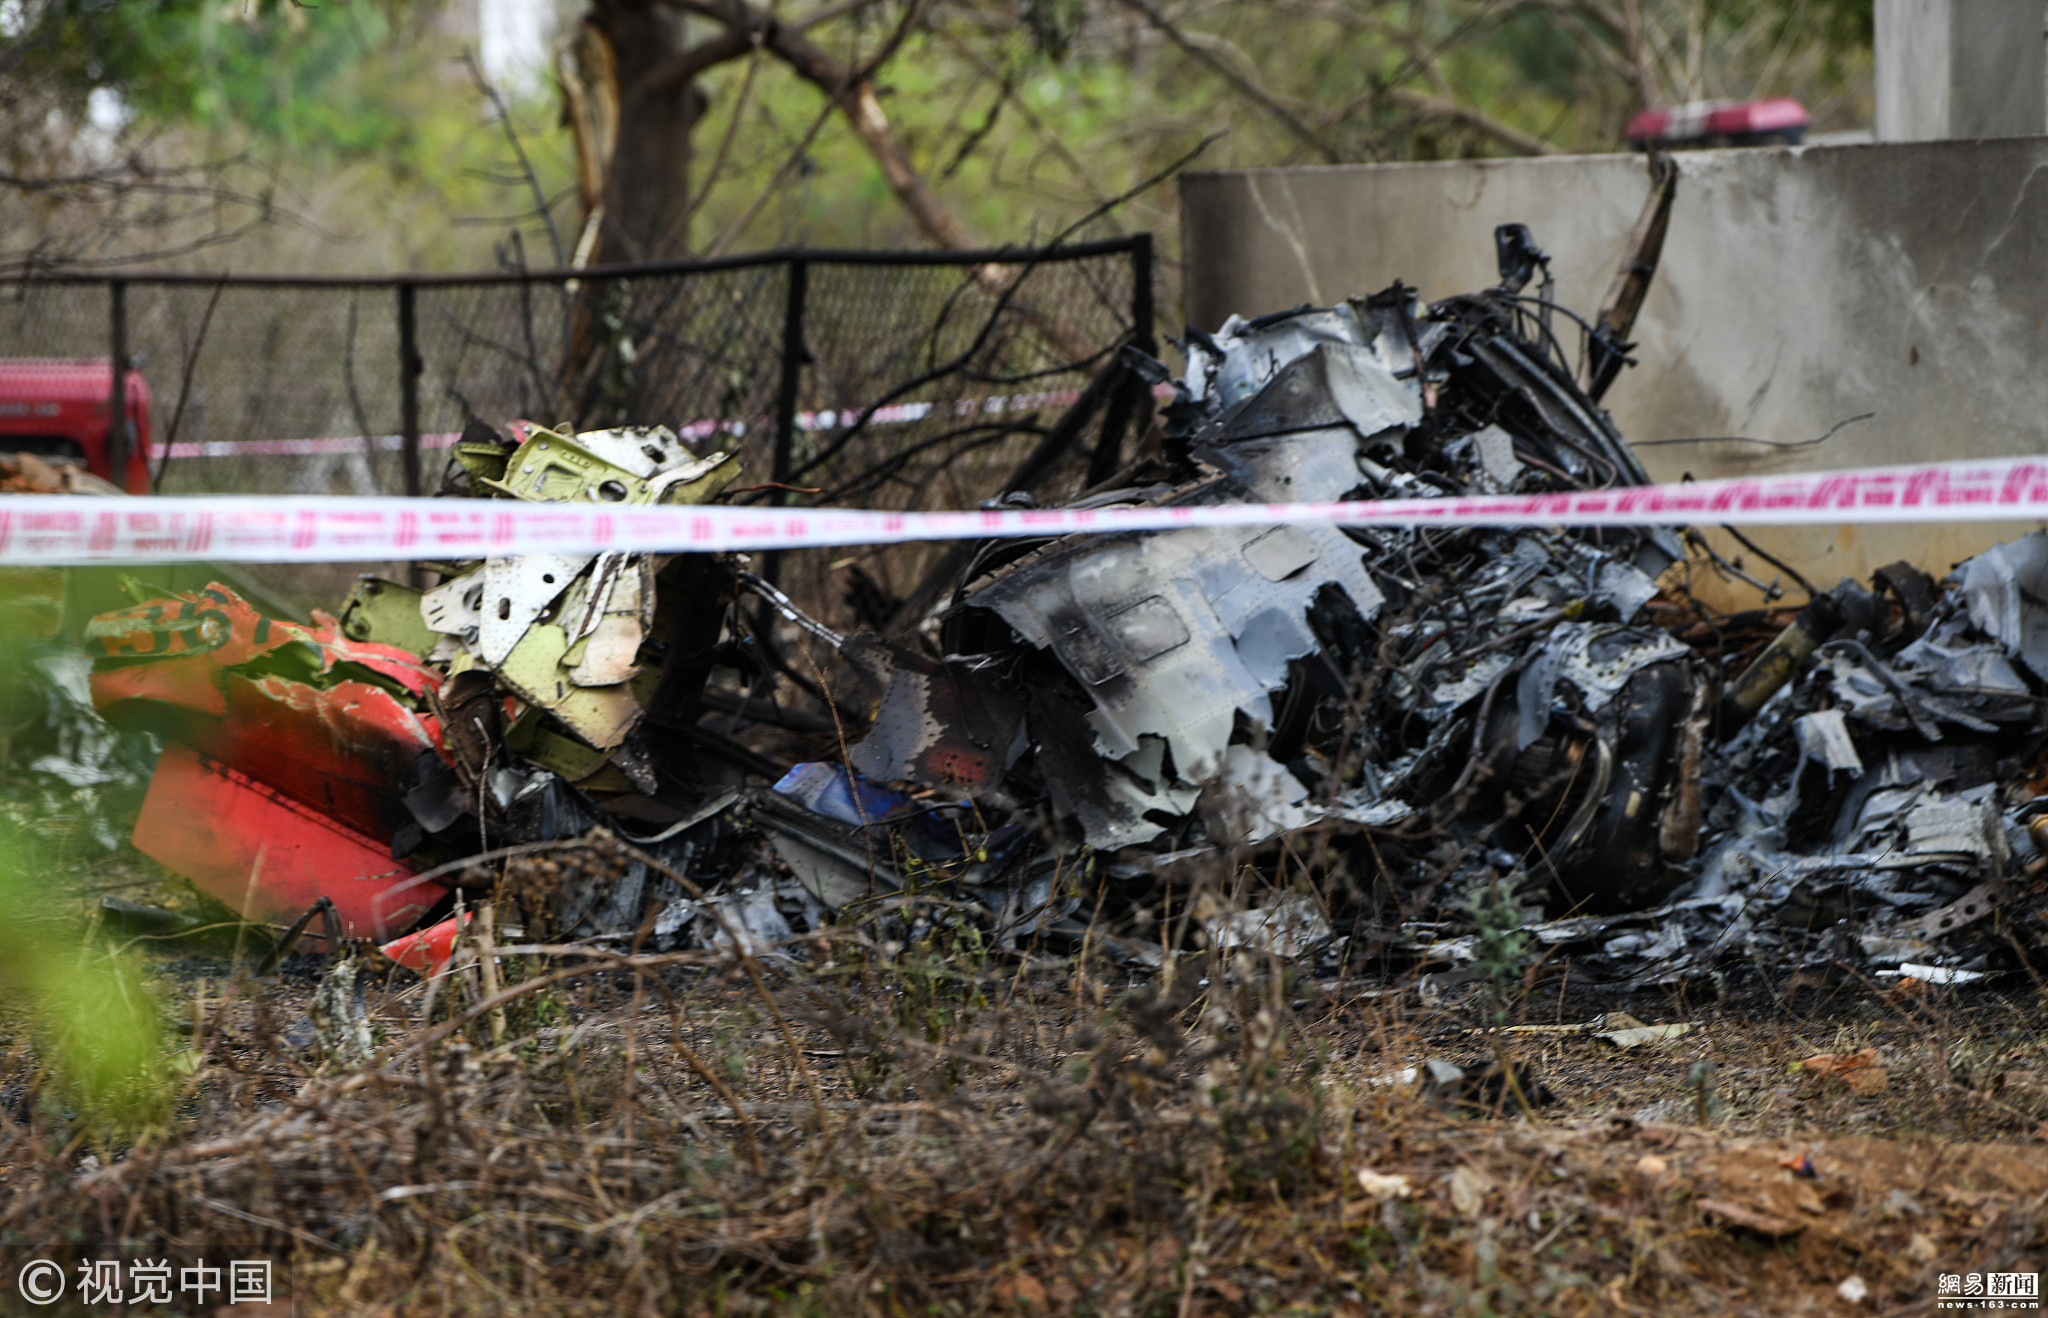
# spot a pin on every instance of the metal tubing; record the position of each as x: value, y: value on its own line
x: 777, y: 256
x: 794, y: 355
x: 117, y: 396
x: 409, y: 368
x: 1142, y: 312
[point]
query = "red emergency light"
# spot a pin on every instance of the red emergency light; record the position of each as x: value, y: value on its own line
x: 57, y: 409
x: 1721, y: 123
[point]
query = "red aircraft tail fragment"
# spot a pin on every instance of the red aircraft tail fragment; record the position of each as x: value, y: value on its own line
x: 291, y: 751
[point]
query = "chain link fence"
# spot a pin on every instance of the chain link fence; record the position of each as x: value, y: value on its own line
x: 900, y: 380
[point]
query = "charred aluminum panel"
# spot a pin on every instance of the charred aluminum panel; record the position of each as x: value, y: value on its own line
x: 939, y: 722
x: 1823, y: 738
x: 1244, y: 356
x: 1256, y: 798
x: 1308, y: 466
x: 1598, y: 659
x: 1175, y: 634
x: 2007, y: 590
x: 1333, y: 384
x: 1117, y: 804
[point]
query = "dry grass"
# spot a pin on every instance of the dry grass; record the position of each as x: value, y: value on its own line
x: 886, y: 1120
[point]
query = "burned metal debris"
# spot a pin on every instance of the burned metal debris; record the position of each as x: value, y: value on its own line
x: 1205, y: 689
x: 1540, y: 716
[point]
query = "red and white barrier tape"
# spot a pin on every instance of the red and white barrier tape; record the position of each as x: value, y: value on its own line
x: 50, y: 529
x: 894, y: 414
x: 293, y: 448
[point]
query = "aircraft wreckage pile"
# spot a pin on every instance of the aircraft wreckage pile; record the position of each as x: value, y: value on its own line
x: 1092, y: 718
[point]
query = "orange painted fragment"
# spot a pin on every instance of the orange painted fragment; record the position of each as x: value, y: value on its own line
x: 337, y: 725
x: 268, y: 857
x: 429, y: 950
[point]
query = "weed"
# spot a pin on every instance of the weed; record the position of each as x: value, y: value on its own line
x: 1500, y: 929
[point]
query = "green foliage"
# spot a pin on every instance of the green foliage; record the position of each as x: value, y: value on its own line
x: 1054, y: 24
x: 93, y: 1015
x: 310, y: 79
x: 1836, y: 24
x: 1541, y: 54
x: 1501, y: 930
x: 1024, y: 114
x: 90, y: 1012
x: 356, y: 119
x: 1026, y: 123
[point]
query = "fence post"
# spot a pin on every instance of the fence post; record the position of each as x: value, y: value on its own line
x: 117, y: 396
x: 1132, y: 393
x: 793, y: 357
x: 1142, y: 313
x: 792, y: 373
x: 409, y: 367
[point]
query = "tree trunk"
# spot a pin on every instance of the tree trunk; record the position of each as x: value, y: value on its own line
x: 647, y: 183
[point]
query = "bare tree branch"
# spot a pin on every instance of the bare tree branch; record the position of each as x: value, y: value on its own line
x: 589, y: 81
x: 849, y: 90
x: 1038, y: 125
x: 504, y: 113
x: 682, y: 67
x: 732, y: 127
x: 1597, y: 36
x: 1243, y: 84
x: 827, y: 14
x: 169, y: 198
x: 1438, y: 108
x: 853, y: 92
x: 1627, y: 20
x: 156, y: 480
x: 782, y: 171
x: 1443, y: 104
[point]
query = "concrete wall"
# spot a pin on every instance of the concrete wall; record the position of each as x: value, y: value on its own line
x: 1958, y: 69
x: 1799, y: 286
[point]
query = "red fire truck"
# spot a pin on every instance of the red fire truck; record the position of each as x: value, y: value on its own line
x: 58, y: 410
